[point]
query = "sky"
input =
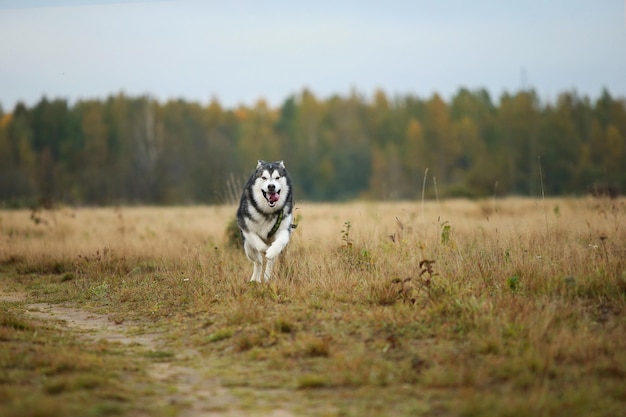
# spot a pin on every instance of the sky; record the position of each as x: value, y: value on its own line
x: 240, y: 51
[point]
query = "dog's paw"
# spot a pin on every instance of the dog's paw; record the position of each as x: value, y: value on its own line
x: 272, y: 252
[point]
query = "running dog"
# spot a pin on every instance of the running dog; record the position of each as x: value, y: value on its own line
x: 265, y: 216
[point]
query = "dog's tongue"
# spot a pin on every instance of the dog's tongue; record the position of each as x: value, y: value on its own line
x: 272, y: 197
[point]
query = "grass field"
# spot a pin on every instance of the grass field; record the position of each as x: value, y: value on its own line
x: 514, y: 307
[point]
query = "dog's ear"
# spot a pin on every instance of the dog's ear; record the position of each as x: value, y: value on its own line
x: 259, y: 163
x: 281, y: 163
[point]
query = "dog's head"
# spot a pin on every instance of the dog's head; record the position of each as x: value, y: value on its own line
x: 272, y: 183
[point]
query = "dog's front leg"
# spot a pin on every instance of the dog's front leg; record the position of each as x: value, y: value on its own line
x: 253, y: 241
x: 256, y: 273
x: 251, y: 247
x: 257, y: 260
x: 269, y: 266
x: 282, y: 238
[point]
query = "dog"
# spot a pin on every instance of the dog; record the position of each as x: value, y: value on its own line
x: 265, y: 216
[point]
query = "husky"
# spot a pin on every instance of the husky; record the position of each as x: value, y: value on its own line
x: 265, y: 216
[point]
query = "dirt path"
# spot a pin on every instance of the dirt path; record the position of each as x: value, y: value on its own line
x: 93, y: 326
x: 195, y: 393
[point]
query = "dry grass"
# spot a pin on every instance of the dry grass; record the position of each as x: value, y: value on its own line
x: 515, y: 307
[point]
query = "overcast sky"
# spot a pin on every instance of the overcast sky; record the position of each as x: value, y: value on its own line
x: 240, y: 51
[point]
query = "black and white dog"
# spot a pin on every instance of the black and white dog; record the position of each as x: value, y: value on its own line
x: 265, y: 216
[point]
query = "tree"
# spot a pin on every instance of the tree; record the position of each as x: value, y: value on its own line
x: 517, y: 124
x: 559, y: 146
x: 19, y: 175
x: 94, y: 157
x: 444, y: 149
x: 257, y: 139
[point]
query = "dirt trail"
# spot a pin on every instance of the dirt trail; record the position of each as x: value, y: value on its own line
x: 195, y: 394
x: 93, y: 326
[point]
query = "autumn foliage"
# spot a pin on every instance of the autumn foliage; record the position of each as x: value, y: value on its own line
x: 139, y: 150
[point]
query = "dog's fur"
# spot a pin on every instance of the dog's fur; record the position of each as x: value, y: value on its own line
x: 265, y: 216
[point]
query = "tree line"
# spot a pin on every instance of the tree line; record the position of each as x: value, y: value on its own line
x: 137, y: 150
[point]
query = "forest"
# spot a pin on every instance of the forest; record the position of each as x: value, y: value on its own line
x: 137, y: 150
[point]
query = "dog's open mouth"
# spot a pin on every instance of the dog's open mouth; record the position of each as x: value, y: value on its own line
x: 271, y: 198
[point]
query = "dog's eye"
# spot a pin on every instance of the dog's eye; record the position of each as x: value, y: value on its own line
x: 264, y: 178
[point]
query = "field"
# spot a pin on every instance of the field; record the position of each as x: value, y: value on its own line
x: 512, y: 307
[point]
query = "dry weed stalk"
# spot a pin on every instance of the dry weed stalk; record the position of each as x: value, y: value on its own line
x: 412, y: 286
